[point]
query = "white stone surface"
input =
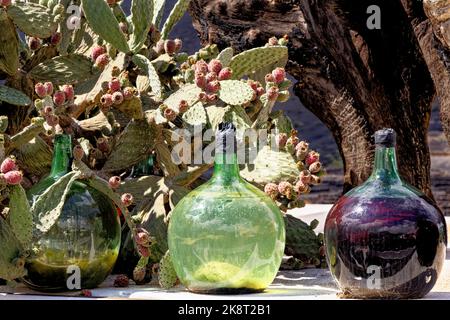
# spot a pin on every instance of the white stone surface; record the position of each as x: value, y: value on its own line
x: 306, y: 284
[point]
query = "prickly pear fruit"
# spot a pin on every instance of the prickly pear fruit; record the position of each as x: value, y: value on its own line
x: 117, y: 97
x: 9, y: 164
x: 49, y: 88
x: 97, y: 51
x: 279, y: 75
x: 127, y: 199
x: 114, y: 85
x: 13, y: 177
x: 101, y: 61
x: 40, y: 90
x: 106, y: 100
x: 59, y: 98
x: 225, y: 74
x: 215, y: 66
x: 271, y: 189
x: 68, y: 91
x: 311, y: 157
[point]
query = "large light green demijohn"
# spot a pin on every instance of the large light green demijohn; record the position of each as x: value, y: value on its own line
x: 80, y: 249
x: 226, y: 236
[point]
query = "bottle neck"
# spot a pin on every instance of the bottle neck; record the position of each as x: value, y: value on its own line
x: 226, y: 168
x: 385, y: 167
x: 144, y: 168
x: 61, y: 156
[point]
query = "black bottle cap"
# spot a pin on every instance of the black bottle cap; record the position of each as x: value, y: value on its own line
x: 385, y: 137
x: 226, y: 138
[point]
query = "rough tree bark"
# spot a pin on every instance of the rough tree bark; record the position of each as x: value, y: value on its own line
x: 354, y: 79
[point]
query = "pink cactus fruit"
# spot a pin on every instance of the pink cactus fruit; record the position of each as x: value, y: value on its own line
x: 170, y: 114
x: 128, y: 93
x: 285, y: 188
x: 49, y: 88
x: 281, y: 140
x: 272, y: 93
x: 117, y: 98
x: 271, y: 189
x: 40, y: 90
x: 312, y: 157
x: 97, y: 51
x: 114, y: 85
x: 225, y: 74
x: 178, y: 45
x: 114, y: 182
x: 183, y: 106
x: 279, y: 75
x: 59, y: 98
x: 127, y: 199
x: 68, y: 91
x: 9, y: 164
x: 106, y: 100
x: 201, y: 66
x: 13, y: 177
x: 101, y: 61
x: 215, y: 66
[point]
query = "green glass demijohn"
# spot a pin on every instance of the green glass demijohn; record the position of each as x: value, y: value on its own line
x: 226, y: 236
x: 80, y: 250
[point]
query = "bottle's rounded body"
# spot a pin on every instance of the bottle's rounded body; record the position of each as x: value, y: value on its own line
x: 385, y: 241
x: 226, y: 239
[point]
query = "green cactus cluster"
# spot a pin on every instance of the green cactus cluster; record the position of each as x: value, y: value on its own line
x: 121, y: 87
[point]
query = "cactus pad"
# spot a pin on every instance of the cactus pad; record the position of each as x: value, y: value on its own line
x: 33, y: 19
x: 175, y: 15
x: 281, y: 122
x: 188, y: 92
x: 153, y: 219
x: 132, y: 108
x: 235, y: 92
x: 68, y: 69
x: 252, y: 60
x: 233, y: 114
x: 225, y: 56
x: 10, y: 251
x: 19, y: 216
x: 145, y: 65
x: 141, y: 187
x: 158, y: 10
x: 271, y: 166
x: 301, y: 240
x: 141, y: 18
x: 195, y: 116
x: 9, y: 45
x: 48, y: 206
x: 167, y: 276
x: 13, y: 96
x: 134, y: 144
x: 104, y: 23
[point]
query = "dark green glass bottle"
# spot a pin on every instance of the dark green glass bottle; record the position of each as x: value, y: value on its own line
x: 385, y: 238
x: 226, y: 236
x: 143, y: 168
x: 85, y: 240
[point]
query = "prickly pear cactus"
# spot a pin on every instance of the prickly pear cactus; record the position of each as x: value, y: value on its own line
x: 121, y: 88
x: 167, y: 276
x: 301, y: 241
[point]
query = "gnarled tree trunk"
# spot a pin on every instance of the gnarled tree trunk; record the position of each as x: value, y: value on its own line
x: 354, y: 79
